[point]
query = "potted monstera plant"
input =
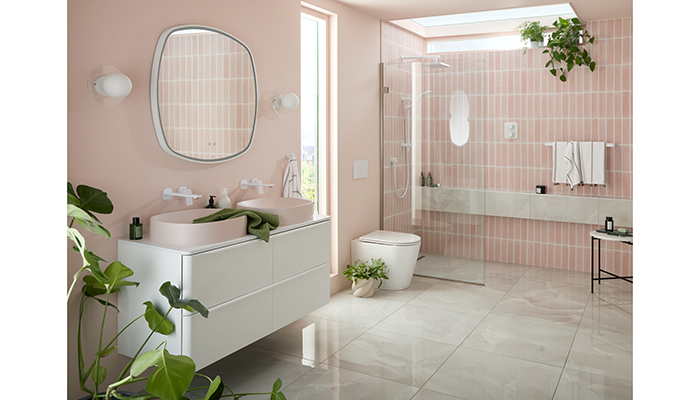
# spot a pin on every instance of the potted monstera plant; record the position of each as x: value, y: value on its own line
x: 363, y: 274
x: 565, y: 48
x: 173, y: 374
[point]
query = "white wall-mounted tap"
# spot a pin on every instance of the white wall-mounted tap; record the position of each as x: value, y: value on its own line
x: 255, y: 183
x: 182, y: 192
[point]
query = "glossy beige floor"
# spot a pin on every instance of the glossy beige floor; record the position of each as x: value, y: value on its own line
x: 530, y: 333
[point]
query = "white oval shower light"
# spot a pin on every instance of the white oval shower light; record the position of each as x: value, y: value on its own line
x: 459, y: 118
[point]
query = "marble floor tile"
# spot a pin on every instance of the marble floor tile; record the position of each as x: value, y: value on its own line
x: 425, y: 394
x: 462, y: 297
x: 423, y: 322
x: 311, y: 338
x: 363, y: 312
x: 391, y: 356
x: 529, y: 339
x: 326, y: 382
x: 584, y: 386
x: 253, y: 369
x: 552, y: 301
x: 604, y: 316
x: 485, y: 376
x: 601, y: 352
x: 418, y: 286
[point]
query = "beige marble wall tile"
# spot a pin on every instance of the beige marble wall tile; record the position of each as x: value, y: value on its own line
x: 619, y: 209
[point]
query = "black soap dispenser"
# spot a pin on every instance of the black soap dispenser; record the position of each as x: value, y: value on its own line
x: 211, y: 202
x: 135, y: 229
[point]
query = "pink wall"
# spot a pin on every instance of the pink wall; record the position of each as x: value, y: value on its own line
x: 116, y: 150
x: 506, y: 86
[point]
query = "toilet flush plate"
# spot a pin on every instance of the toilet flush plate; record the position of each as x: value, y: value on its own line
x: 359, y: 169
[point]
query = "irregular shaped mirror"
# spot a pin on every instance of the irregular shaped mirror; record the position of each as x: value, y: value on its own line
x: 204, y: 94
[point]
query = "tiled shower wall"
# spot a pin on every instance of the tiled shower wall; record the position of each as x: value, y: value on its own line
x: 198, y: 71
x: 507, y: 86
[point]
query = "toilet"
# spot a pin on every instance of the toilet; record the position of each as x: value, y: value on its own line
x: 399, y: 251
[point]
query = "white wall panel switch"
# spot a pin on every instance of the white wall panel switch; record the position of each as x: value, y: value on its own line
x: 511, y: 130
x: 359, y: 169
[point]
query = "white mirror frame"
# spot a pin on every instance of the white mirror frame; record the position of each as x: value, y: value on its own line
x: 155, y: 109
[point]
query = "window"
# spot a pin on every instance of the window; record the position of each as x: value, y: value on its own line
x: 314, y: 109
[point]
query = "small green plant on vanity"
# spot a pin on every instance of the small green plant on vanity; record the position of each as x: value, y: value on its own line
x: 173, y: 374
x: 531, y: 31
x: 564, y: 46
x: 374, y: 269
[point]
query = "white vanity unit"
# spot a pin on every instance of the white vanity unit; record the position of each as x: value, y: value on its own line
x: 250, y: 287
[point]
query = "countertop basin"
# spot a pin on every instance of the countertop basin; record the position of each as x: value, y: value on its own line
x: 291, y: 211
x: 176, y: 228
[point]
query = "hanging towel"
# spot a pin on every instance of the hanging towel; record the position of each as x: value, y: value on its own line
x: 572, y: 155
x: 587, y: 166
x: 291, y: 186
x: 558, y: 162
x: 599, y: 163
x: 259, y: 223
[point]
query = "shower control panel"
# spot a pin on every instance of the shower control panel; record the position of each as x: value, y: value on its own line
x: 511, y: 130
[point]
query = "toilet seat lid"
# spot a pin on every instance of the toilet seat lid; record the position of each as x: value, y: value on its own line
x: 391, y: 238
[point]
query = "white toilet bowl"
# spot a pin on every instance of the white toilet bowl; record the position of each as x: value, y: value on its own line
x: 399, y: 251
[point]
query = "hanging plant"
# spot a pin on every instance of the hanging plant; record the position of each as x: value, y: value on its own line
x: 564, y: 49
x: 532, y: 32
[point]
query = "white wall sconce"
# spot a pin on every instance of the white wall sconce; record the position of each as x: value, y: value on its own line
x: 108, y: 86
x: 283, y: 101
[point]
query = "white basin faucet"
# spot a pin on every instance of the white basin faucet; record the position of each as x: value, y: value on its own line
x: 255, y: 183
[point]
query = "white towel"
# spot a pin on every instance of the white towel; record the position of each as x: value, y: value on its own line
x: 558, y: 162
x: 572, y: 155
x: 291, y: 185
x: 593, y: 162
x: 599, y: 163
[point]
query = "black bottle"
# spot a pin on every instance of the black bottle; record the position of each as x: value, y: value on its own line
x: 211, y: 202
x: 422, y: 179
x: 609, y: 224
x: 135, y: 229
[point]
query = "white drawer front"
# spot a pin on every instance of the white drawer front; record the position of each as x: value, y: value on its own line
x: 300, y: 295
x: 230, y: 327
x: 301, y: 250
x: 221, y: 275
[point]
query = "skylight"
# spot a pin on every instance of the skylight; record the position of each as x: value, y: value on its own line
x: 485, y: 22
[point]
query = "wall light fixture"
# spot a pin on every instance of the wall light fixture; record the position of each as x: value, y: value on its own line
x: 283, y: 101
x: 108, y: 86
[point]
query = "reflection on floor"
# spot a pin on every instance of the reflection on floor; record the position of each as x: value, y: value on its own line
x: 450, y: 267
x: 529, y: 333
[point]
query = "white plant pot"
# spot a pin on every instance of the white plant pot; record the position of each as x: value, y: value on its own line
x: 363, y: 288
x: 536, y: 45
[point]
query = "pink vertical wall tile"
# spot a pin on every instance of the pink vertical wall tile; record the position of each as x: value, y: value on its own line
x: 507, y: 86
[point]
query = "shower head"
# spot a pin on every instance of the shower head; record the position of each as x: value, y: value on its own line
x: 436, y: 64
x: 427, y: 92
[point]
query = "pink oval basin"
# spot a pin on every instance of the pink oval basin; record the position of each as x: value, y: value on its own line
x: 176, y: 228
x: 291, y: 211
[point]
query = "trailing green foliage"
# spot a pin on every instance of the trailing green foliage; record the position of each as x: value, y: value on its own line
x: 564, y: 48
x: 531, y: 31
x: 365, y: 270
x: 173, y: 374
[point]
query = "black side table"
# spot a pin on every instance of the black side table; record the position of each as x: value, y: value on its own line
x: 595, y: 235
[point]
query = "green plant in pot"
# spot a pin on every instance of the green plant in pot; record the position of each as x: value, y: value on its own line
x: 565, y: 48
x: 532, y: 32
x: 170, y: 375
x: 363, y: 274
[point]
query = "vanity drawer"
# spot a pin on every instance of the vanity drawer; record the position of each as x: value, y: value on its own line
x: 230, y: 327
x: 220, y: 275
x: 300, y: 295
x: 301, y: 250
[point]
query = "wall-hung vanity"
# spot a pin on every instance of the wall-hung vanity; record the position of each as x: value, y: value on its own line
x: 250, y: 287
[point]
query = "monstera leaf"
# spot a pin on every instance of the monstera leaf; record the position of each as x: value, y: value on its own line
x: 156, y: 321
x: 90, y: 200
x: 172, y: 376
x: 172, y: 293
